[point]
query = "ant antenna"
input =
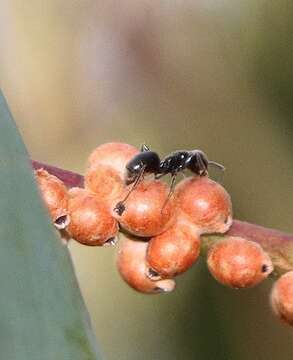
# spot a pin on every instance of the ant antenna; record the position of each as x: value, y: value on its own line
x: 120, y: 207
x: 217, y: 165
x: 221, y: 168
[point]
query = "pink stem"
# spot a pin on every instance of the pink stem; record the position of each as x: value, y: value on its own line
x: 69, y: 178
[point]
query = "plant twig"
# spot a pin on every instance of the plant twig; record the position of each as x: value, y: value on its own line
x: 70, y: 179
x: 278, y: 244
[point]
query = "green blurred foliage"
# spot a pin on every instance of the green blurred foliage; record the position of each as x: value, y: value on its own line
x: 215, y: 75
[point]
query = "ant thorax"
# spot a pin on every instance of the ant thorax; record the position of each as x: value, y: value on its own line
x: 174, y: 162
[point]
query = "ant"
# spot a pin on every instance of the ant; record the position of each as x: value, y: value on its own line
x: 148, y: 162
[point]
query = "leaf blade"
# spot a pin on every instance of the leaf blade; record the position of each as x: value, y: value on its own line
x: 42, y: 313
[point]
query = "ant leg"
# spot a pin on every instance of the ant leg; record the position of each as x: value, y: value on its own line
x: 183, y: 174
x: 144, y: 148
x: 158, y: 176
x: 120, y: 207
x: 172, y: 186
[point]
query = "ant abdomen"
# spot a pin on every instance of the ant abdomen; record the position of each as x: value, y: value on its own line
x: 144, y: 162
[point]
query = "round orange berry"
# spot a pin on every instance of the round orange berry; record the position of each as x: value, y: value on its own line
x: 282, y: 298
x: 91, y: 221
x: 132, y: 266
x: 55, y: 196
x: 238, y: 263
x: 113, y: 154
x: 148, y: 211
x: 104, y: 181
x: 206, y: 203
x: 174, y: 251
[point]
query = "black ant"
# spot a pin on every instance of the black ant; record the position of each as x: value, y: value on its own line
x: 148, y: 162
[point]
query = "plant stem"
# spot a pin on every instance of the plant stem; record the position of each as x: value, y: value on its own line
x: 70, y: 179
x: 277, y: 244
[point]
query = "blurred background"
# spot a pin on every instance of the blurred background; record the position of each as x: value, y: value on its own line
x: 210, y: 74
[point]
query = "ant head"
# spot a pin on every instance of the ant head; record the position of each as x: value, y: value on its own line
x: 198, y: 163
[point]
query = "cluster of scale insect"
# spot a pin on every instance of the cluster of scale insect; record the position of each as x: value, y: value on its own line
x: 161, y: 224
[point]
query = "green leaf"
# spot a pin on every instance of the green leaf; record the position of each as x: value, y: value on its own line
x: 42, y: 313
